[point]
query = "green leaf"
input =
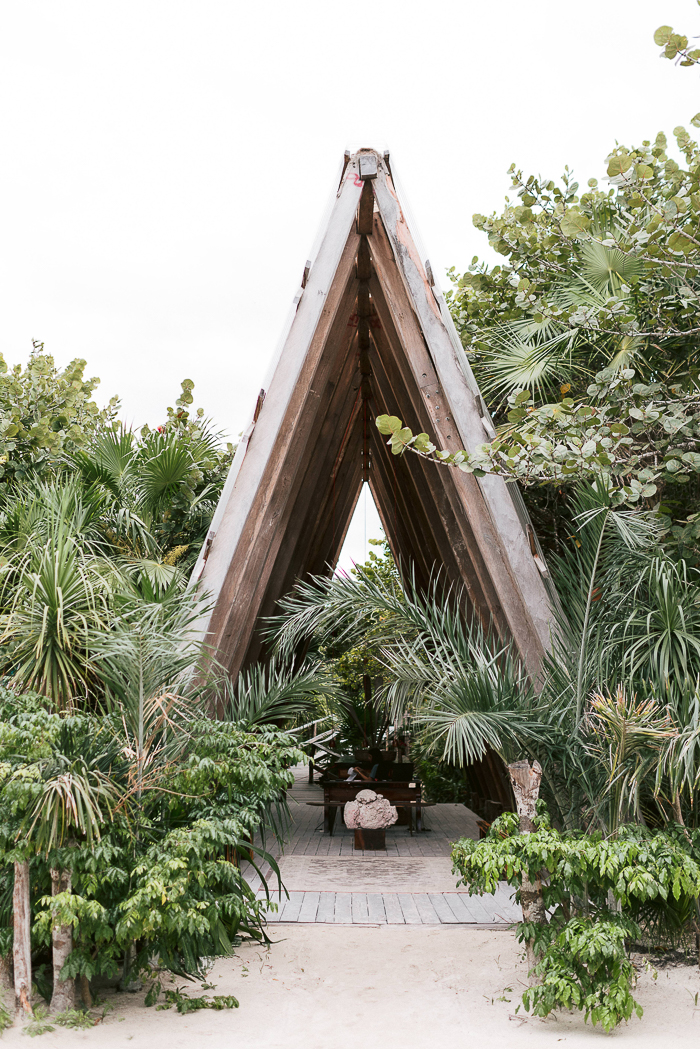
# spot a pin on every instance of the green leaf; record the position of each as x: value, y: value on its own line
x: 574, y: 223
x: 663, y: 35
x: 619, y: 165
x: 387, y: 424
x: 399, y: 440
x: 422, y: 443
x: 695, y: 121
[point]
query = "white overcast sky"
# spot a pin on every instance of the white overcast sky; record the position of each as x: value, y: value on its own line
x: 165, y: 164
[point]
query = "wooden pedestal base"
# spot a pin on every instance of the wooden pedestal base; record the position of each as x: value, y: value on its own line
x: 370, y: 839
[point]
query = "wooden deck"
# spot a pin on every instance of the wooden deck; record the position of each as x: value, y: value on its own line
x: 444, y: 825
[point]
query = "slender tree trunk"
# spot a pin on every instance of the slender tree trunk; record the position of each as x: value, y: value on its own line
x: 22, y: 947
x: 526, y: 787
x: 6, y: 982
x: 85, y: 993
x: 63, y: 996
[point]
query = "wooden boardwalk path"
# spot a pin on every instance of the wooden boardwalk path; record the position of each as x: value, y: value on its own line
x: 445, y: 824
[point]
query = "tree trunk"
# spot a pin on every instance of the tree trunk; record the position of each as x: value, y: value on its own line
x: 6, y: 982
x: 22, y: 947
x: 63, y: 996
x: 85, y: 993
x: 526, y: 787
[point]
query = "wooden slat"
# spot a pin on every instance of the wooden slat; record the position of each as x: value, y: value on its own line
x: 424, y: 906
x: 326, y: 907
x: 409, y: 909
x: 360, y: 912
x: 441, y: 908
x: 343, y: 908
x: 309, y: 907
x: 262, y: 533
x: 440, y: 495
x: 392, y: 909
x: 459, y: 908
x: 375, y: 907
x: 290, y: 911
x: 489, y: 508
x: 446, y: 533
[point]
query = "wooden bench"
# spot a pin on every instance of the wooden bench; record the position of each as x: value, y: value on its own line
x: 336, y: 796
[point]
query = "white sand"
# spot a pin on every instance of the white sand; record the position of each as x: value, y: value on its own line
x: 390, y: 987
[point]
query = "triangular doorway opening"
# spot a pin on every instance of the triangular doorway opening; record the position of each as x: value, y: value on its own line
x: 364, y: 526
x: 370, y: 335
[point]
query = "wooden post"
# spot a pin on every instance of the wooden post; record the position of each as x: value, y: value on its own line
x: 526, y: 787
x: 63, y: 996
x: 22, y: 947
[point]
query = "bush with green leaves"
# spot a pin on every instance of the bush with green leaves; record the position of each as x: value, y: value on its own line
x: 149, y: 846
x: 597, y: 891
x: 45, y: 413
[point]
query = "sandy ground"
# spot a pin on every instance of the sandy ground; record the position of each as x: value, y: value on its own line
x: 386, y: 987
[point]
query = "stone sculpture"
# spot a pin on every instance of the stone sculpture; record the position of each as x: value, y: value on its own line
x: 370, y: 811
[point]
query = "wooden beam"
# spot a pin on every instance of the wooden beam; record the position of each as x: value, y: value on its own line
x: 366, y: 207
x: 488, y: 554
x: 492, y: 514
x: 252, y: 558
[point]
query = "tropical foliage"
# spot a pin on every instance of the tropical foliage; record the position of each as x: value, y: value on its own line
x: 583, y: 962
x: 148, y: 834
x: 46, y: 413
x: 125, y: 807
x: 584, y: 340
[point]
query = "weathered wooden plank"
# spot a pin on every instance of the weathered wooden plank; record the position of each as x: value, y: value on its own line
x: 424, y: 906
x: 366, y: 207
x: 493, y: 517
x: 326, y: 908
x: 441, y: 908
x: 409, y: 909
x: 375, y: 907
x: 270, y: 508
x: 407, y: 361
x: 311, y: 508
x: 309, y: 907
x: 399, y: 392
x: 457, y: 906
x: 285, y: 397
x: 290, y: 911
x: 480, y: 907
x: 360, y: 912
x: 343, y: 908
x: 392, y: 909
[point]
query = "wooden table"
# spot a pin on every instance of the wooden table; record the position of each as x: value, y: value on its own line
x: 336, y: 795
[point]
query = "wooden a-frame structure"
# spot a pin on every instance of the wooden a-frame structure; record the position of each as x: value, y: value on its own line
x: 370, y: 334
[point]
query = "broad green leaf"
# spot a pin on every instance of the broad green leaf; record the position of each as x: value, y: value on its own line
x: 399, y: 440
x: 619, y: 165
x: 574, y: 223
x: 422, y: 443
x: 663, y: 35
x: 387, y: 424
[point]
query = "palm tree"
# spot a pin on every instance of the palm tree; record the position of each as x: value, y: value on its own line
x: 78, y: 794
x: 160, y: 491
x: 55, y: 590
x: 155, y: 677
x: 276, y: 693
x: 467, y: 690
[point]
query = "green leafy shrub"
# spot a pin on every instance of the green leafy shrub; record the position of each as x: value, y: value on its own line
x: 593, y: 888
